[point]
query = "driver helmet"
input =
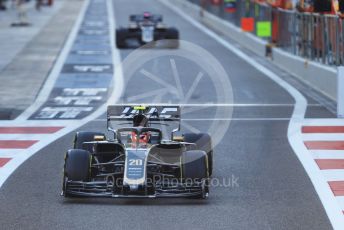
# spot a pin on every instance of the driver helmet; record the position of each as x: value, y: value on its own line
x: 147, y: 15
x: 140, y: 120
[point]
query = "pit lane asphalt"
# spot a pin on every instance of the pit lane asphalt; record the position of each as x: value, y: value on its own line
x: 274, y: 191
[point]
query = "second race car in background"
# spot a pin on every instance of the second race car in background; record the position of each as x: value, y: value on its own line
x: 144, y: 29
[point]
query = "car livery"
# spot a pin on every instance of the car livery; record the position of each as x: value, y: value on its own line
x: 144, y: 29
x: 139, y: 161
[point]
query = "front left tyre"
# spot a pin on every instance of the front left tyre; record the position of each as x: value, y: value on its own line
x: 203, y: 142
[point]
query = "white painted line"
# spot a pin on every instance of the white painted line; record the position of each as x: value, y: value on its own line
x: 21, y: 137
x: 294, y: 130
x: 333, y: 174
x: 340, y: 200
x: 323, y: 137
x: 235, y: 119
x: 119, y: 84
x: 223, y: 119
x: 213, y: 105
x: 10, y: 153
x: 327, y: 154
x: 33, y: 123
x: 323, y: 122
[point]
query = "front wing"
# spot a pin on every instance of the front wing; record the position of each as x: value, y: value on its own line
x: 103, y: 189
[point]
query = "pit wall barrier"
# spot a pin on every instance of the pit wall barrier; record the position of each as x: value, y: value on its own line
x: 317, y: 75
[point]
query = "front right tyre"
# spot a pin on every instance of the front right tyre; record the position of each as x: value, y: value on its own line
x: 76, y: 167
x: 121, y: 36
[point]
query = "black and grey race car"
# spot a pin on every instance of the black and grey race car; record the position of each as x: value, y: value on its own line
x: 146, y: 28
x: 138, y: 161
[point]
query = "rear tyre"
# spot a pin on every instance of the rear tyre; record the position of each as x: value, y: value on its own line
x: 194, y: 168
x: 76, y: 167
x: 121, y: 35
x: 81, y: 137
x: 203, y: 142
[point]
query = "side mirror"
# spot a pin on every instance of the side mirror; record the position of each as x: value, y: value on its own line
x: 178, y: 138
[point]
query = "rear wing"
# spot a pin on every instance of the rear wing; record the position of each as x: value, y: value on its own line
x: 166, y: 116
x: 140, y: 18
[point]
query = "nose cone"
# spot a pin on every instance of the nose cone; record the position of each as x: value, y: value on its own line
x: 134, y: 187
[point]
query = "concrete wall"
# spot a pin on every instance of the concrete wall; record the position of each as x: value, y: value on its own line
x: 318, y: 76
